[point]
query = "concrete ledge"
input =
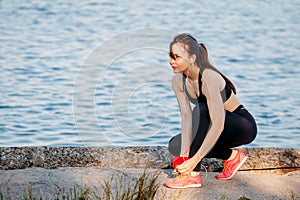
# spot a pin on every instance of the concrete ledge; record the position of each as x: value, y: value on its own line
x: 49, y: 182
x: 82, y: 167
x: 155, y: 157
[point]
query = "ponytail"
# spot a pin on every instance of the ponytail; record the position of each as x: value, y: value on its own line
x: 204, y: 62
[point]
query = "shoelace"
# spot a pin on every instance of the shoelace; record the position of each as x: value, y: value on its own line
x: 225, y: 168
x: 179, y: 176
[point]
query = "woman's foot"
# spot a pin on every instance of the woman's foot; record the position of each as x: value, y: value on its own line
x: 231, y: 166
x: 184, y: 181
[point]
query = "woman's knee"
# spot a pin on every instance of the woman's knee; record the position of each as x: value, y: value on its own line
x: 248, y: 134
x: 252, y: 131
x: 175, y: 145
x: 200, y: 111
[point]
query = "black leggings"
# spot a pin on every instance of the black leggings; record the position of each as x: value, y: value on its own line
x: 239, y: 128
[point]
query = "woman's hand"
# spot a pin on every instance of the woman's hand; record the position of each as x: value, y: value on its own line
x: 188, y: 166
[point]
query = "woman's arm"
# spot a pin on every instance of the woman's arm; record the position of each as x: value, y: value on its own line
x: 186, y: 115
x: 212, y: 84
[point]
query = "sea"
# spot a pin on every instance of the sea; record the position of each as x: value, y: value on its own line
x: 97, y: 73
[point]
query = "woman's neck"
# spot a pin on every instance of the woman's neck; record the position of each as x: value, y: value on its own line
x: 192, y: 72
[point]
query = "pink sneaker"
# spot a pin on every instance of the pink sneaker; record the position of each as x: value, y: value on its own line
x: 184, y: 181
x: 232, y: 166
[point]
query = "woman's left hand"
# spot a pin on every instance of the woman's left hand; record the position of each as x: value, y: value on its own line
x: 188, y: 166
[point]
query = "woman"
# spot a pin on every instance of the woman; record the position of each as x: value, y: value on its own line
x: 216, y: 124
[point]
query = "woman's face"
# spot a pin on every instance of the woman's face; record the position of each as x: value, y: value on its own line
x: 179, y: 58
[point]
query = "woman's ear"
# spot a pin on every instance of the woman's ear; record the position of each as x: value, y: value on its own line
x: 193, y: 58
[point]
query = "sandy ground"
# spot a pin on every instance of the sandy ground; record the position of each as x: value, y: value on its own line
x: 244, y: 184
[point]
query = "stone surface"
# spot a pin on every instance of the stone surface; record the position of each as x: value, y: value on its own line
x: 49, y: 169
x: 268, y: 158
x: 53, y: 157
x: 49, y: 182
x: 134, y: 157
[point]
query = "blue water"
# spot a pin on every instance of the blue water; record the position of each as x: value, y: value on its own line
x: 96, y: 72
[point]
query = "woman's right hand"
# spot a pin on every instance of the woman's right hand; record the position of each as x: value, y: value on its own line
x: 178, y: 160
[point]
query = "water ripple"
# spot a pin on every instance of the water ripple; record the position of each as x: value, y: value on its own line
x: 44, y: 44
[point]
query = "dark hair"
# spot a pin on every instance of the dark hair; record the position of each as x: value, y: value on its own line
x: 193, y: 47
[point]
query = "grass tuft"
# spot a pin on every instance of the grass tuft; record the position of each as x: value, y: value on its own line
x: 143, y: 187
x: 243, y: 198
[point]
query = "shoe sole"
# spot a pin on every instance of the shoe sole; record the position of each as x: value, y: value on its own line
x: 184, y: 187
x: 235, y: 171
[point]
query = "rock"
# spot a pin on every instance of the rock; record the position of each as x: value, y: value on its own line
x: 268, y: 158
x: 134, y: 157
